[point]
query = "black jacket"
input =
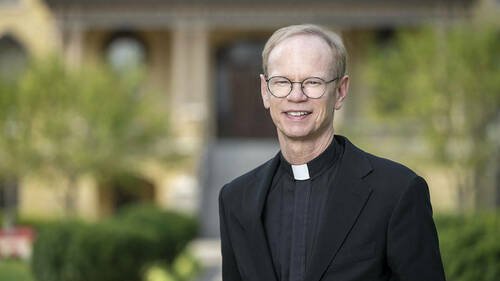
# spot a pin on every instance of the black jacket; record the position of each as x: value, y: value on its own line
x: 377, y: 226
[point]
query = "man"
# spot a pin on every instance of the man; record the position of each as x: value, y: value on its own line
x: 322, y: 209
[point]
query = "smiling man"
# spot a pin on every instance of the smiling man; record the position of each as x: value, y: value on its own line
x: 322, y: 209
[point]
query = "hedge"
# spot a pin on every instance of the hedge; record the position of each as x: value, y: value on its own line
x: 470, y: 246
x: 120, y: 248
x: 172, y: 230
x: 116, y: 249
x: 50, y: 250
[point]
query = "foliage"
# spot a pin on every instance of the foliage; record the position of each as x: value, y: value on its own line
x: 116, y: 249
x: 77, y: 121
x: 36, y: 223
x: 109, y: 251
x: 173, y: 230
x: 470, y: 246
x: 184, y: 268
x: 50, y: 251
x: 446, y: 77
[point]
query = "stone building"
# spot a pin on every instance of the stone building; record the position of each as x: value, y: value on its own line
x: 204, y: 55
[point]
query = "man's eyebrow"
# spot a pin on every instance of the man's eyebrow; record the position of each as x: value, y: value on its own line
x: 322, y: 76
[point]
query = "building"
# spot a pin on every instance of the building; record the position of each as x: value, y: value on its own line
x: 205, y: 56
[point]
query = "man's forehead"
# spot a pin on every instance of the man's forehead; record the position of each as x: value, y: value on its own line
x: 299, y: 42
x: 301, y: 48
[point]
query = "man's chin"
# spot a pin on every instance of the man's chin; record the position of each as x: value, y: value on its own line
x: 296, y: 134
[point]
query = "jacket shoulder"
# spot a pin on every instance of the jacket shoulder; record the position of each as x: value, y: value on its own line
x: 391, y: 179
x: 387, y: 167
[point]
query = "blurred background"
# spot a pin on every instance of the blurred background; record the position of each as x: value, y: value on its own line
x: 121, y: 120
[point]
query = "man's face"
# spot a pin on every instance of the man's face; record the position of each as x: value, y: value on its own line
x: 297, y: 58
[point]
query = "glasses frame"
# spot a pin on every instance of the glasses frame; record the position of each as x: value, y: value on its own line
x: 301, y: 85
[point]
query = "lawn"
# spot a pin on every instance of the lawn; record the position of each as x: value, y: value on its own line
x: 13, y: 270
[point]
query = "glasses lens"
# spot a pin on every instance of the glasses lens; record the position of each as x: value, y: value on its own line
x: 314, y: 87
x: 279, y: 86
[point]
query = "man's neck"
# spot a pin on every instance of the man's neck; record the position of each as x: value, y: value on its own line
x: 301, y: 151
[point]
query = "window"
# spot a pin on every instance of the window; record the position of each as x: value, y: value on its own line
x: 125, y: 52
x: 13, y: 58
x: 8, y: 194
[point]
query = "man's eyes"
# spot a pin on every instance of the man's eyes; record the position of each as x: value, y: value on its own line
x: 312, y: 83
x: 281, y: 82
x: 284, y: 82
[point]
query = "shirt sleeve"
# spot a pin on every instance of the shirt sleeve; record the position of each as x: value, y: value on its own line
x: 412, y: 242
x: 229, y: 266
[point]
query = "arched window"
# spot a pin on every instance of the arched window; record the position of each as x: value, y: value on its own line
x: 125, y: 188
x: 13, y: 57
x: 126, y: 51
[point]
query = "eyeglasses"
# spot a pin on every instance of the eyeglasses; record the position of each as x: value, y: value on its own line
x: 312, y: 87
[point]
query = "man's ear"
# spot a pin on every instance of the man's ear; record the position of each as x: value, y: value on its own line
x: 263, y: 91
x: 341, y: 92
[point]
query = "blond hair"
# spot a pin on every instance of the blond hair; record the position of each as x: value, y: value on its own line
x: 331, y: 38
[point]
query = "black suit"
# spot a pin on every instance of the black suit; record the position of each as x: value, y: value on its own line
x: 377, y: 226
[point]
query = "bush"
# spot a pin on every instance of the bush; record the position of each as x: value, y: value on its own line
x: 50, y: 250
x: 470, y: 246
x: 109, y: 251
x: 36, y: 223
x: 184, y: 268
x: 173, y: 230
x: 116, y: 249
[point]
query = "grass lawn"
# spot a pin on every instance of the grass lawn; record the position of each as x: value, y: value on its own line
x: 13, y: 270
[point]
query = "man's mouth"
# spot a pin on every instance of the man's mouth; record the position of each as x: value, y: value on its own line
x: 297, y: 113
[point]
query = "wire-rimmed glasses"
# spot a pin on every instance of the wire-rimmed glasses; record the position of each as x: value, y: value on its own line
x: 312, y: 87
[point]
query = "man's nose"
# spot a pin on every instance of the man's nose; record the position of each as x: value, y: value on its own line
x: 297, y: 94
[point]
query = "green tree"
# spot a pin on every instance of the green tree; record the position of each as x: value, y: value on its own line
x: 447, y: 78
x: 78, y: 121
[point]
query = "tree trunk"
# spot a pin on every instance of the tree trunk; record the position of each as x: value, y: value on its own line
x: 465, y: 189
x: 71, y: 196
x: 10, y: 202
x: 497, y: 179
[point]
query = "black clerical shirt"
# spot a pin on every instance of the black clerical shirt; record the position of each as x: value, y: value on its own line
x: 281, y: 211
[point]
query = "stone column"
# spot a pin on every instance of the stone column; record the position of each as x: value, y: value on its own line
x: 74, y: 45
x: 190, y: 83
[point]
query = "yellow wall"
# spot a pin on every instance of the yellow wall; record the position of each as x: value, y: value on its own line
x: 32, y: 24
x: 45, y: 196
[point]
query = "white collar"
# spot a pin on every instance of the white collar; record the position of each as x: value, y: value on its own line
x: 300, y: 172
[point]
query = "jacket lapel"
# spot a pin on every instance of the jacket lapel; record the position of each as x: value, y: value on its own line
x: 255, y: 197
x: 345, y: 202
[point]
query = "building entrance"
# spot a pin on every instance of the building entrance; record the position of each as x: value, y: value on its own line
x: 240, y: 112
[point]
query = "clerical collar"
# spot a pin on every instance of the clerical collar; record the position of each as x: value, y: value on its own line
x: 314, y: 167
x: 300, y: 172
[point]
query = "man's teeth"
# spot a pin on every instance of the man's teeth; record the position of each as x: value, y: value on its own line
x: 297, y: 113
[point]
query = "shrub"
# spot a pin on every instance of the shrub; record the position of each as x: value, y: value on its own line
x: 184, y: 268
x: 50, y: 250
x: 36, y: 223
x: 173, y: 230
x: 109, y: 251
x: 470, y: 246
x: 116, y: 249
